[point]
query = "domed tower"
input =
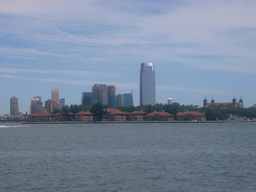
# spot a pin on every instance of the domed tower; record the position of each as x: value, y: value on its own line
x: 234, y: 101
x: 241, y: 103
x: 170, y: 101
x: 212, y: 101
x: 205, y: 102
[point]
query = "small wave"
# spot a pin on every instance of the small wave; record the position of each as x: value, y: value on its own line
x: 10, y: 126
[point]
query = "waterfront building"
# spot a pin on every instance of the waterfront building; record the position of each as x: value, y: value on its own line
x: 233, y: 103
x: 87, y: 98
x: 55, y: 95
x: 147, y: 84
x: 117, y: 116
x: 84, y: 116
x: 159, y: 116
x: 136, y: 116
x: 119, y: 100
x: 62, y: 102
x: 112, y: 95
x: 191, y: 116
x: 41, y: 117
x: 128, y: 99
x: 14, y: 108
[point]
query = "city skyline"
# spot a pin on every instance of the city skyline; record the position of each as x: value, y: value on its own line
x: 200, y: 49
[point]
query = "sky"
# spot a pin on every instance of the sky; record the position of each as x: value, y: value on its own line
x: 200, y: 48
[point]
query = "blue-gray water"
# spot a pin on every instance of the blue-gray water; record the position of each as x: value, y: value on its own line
x: 128, y: 157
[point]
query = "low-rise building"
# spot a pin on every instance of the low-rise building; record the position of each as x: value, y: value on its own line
x: 191, y: 116
x: 159, y: 116
x: 41, y: 117
x: 136, y: 116
x: 84, y: 116
x: 117, y: 116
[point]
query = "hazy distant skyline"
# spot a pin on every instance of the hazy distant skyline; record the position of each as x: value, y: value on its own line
x: 199, y: 49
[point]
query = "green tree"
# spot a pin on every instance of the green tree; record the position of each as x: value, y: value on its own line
x: 56, y: 110
x: 98, y: 111
x: 172, y: 109
x: 65, y: 109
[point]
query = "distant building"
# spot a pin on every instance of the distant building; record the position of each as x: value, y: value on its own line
x: 119, y: 100
x: 62, y: 102
x: 128, y: 99
x: 170, y: 101
x: 254, y: 105
x: 159, y: 116
x: 41, y: 117
x: 234, y: 103
x: 136, y: 116
x: 36, y: 105
x: 191, y: 116
x: 99, y: 93
x: 87, y: 98
x: 147, y: 84
x: 51, y: 105
x: 14, y: 108
x: 55, y: 95
x: 112, y: 95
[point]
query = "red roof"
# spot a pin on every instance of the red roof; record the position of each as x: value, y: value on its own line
x: 118, y: 113
x: 109, y: 110
x: 218, y: 104
x: 138, y: 112
x: 63, y: 113
x: 158, y: 113
x: 84, y: 113
x: 195, y: 113
x: 41, y: 114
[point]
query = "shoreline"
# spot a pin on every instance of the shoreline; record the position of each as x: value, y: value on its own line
x: 116, y: 122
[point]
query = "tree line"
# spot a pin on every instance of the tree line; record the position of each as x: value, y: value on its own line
x: 212, y: 113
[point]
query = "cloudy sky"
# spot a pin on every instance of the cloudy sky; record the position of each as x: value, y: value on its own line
x: 200, y: 48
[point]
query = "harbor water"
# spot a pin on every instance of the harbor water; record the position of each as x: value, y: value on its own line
x: 128, y: 157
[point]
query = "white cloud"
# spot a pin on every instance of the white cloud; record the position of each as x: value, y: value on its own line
x: 97, y: 31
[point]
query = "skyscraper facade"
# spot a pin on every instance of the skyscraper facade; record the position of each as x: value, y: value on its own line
x: 62, y: 102
x: 147, y: 84
x: 119, y: 100
x: 36, y: 105
x: 87, y: 98
x: 99, y: 93
x: 55, y: 95
x: 128, y: 99
x: 13, y: 106
x: 112, y: 95
x: 51, y: 105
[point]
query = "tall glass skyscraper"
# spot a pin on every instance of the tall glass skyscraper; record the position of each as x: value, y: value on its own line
x: 147, y: 84
x: 55, y: 95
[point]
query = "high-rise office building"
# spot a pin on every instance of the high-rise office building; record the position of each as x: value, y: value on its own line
x: 36, y: 105
x: 55, y: 95
x: 62, y: 102
x: 51, y: 105
x: 128, y: 99
x: 87, y: 98
x: 13, y: 106
x: 119, y: 100
x: 147, y: 84
x: 112, y: 95
x: 99, y: 93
